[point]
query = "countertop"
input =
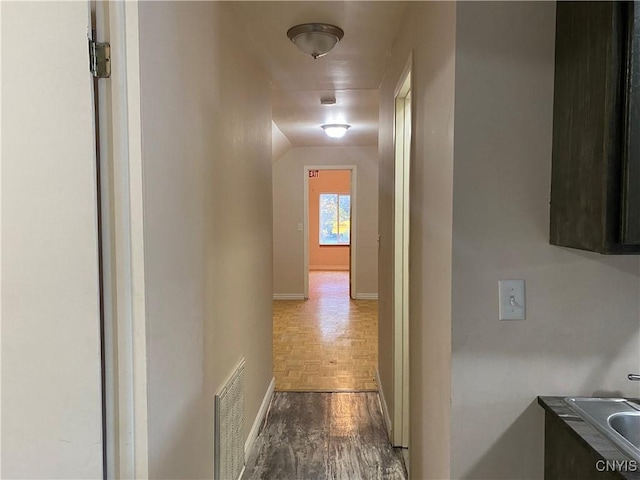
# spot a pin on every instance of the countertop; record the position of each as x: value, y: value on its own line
x: 587, y: 435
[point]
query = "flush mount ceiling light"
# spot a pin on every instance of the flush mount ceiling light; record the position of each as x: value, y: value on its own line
x: 336, y: 130
x: 315, y: 39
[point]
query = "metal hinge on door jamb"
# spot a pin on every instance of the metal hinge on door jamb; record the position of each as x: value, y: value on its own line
x: 100, y: 59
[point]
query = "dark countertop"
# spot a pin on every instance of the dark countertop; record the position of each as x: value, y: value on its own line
x: 587, y: 435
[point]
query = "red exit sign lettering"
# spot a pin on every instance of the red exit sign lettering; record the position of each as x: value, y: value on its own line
x: 314, y: 173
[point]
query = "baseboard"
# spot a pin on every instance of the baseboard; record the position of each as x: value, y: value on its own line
x: 383, y: 404
x: 366, y: 296
x: 330, y: 268
x: 405, y: 458
x: 288, y: 296
x: 255, y: 428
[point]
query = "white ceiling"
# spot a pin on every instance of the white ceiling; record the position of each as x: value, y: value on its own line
x: 352, y: 71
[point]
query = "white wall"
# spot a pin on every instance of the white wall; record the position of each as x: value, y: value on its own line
x: 51, y: 395
x: 280, y: 144
x: 206, y: 118
x: 288, y: 211
x: 581, y: 333
x: 428, y: 30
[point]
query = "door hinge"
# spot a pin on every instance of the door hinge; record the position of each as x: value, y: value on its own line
x: 100, y: 59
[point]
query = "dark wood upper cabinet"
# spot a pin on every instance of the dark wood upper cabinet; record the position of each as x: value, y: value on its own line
x: 595, y: 185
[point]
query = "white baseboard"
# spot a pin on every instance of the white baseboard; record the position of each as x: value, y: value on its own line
x: 366, y: 296
x: 255, y: 428
x: 383, y: 404
x: 330, y: 268
x: 288, y: 296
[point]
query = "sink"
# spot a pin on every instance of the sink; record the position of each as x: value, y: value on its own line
x: 627, y: 425
x: 618, y: 419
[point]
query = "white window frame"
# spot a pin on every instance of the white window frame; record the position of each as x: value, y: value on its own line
x: 338, y: 243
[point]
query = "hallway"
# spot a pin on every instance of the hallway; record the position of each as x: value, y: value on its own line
x: 324, y: 436
x: 143, y: 243
x: 328, y: 342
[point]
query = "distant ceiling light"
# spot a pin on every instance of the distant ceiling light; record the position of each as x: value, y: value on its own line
x: 336, y: 130
x: 315, y: 39
x: 328, y: 101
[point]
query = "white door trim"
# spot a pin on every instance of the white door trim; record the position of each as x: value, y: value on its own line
x: 123, y: 239
x: 402, y: 165
x: 354, y: 202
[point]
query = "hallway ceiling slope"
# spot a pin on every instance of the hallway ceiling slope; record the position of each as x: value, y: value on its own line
x: 352, y: 71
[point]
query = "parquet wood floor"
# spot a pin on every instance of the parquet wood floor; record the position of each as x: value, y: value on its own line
x: 328, y: 342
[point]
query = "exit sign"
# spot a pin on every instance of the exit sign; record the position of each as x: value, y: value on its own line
x: 314, y: 173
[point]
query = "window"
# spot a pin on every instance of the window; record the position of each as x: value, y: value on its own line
x: 335, y: 219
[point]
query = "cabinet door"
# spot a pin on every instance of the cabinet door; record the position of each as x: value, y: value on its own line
x: 631, y: 186
x: 587, y: 143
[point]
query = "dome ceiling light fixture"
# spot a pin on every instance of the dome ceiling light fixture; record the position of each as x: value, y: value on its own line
x: 315, y: 39
x: 336, y: 130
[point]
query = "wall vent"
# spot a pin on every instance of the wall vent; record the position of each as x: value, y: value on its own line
x: 229, y: 422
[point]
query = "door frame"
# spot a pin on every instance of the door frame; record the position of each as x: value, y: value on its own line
x: 122, y: 220
x: 305, y: 225
x: 402, y: 166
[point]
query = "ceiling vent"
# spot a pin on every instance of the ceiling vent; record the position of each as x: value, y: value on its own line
x: 328, y: 101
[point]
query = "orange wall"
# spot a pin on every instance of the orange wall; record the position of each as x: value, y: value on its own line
x: 326, y: 257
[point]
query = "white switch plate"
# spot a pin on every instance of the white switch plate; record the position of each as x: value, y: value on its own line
x: 512, y: 299
x: 299, y: 227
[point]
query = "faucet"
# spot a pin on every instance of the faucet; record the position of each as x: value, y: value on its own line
x: 634, y: 377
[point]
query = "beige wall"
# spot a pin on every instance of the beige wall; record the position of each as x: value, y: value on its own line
x: 325, y: 257
x: 206, y: 120
x: 583, y: 312
x: 581, y: 332
x: 288, y: 212
x: 51, y: 393
x: 428, y: 30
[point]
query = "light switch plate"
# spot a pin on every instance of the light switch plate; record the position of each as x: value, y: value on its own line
x: 512, y: 299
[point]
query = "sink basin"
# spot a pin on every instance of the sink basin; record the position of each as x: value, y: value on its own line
x: 627, y: 425
x: 617, y: 419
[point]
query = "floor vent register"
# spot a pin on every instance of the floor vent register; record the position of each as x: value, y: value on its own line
x: 229, y: 421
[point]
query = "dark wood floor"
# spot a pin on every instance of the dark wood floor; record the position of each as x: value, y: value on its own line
x: 316, y: 436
